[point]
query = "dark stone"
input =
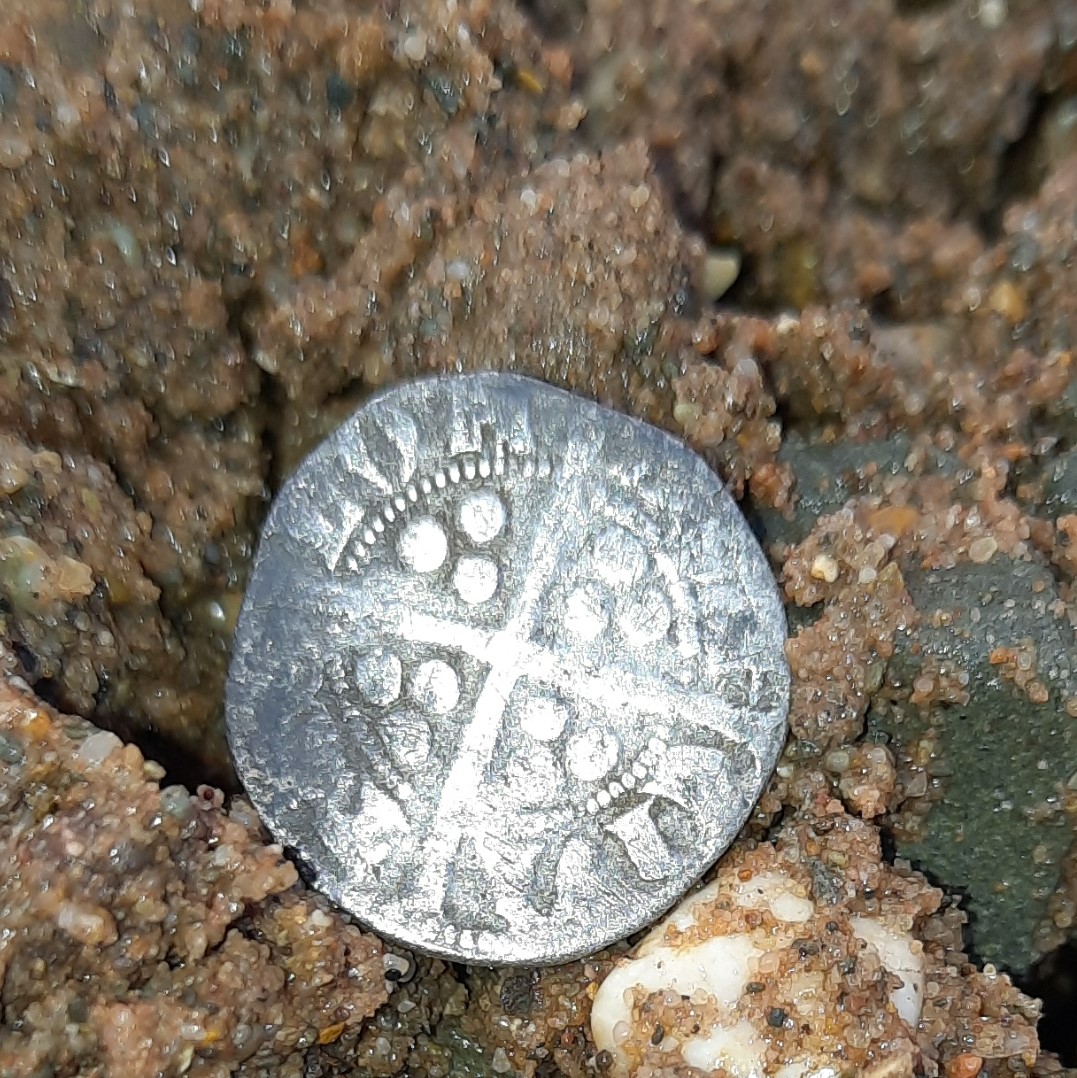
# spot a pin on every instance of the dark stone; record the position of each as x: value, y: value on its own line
x: 829, y: 474
x: 998, y: 832
x: 776, y: 1018
x: 338, y: 93
x: 9, y: 89
x: 519, y: 995
x: 1060, y: 487
x: 827, y: 884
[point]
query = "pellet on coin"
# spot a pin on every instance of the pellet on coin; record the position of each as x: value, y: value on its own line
x: 509, y: 674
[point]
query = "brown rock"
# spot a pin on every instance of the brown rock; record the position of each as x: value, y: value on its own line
x: 147, y: 932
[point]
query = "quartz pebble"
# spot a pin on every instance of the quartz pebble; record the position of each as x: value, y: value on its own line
x: 98, y: 747
x: 760, y: 963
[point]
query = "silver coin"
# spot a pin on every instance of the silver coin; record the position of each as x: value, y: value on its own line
x: 509, y: 674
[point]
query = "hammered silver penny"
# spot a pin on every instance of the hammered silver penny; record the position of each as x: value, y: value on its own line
x: 509, y: 673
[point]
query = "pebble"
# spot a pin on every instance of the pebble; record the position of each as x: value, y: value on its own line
x: 720, y: 269
x: 98, y: 747
x: 694, y: 955
x: 415, y: 46
x: 993, y: 13
x: 14, y: 151
x: 13, y: 477
x: 176, y: 801
x: 90, y: 925
x: 10, y: 750
x: 965, y: 1065
x: 825, y: 568
x: 982, y: 550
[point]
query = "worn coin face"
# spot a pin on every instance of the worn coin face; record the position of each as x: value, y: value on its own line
x: 509, y: 674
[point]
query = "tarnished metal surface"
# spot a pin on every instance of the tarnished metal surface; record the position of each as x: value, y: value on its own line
x: 509, y: 674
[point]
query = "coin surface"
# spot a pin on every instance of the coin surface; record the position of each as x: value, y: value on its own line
x: 509, y: 674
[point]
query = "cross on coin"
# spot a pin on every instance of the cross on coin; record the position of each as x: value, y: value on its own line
x: 509, y: 674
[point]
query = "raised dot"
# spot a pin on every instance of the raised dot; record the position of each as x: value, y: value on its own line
x: 484, y: 468
x: 439, y: 479
x: 469, y: 469
x: 389, y: 514
x: 592, y: 753
x: 399, y: 504
x: 481, y: 516
x: 618, y: 556
x: 413, y: 494
x: 592, y: 805
x: 427, y: 486
x: 615, y: 789
x: 603, y: 798
x: 423, y: 545
x: 454, y: 473
x: 435, y: 687
x: 369, y: 537
x: 544, y: 718
x: 378, y: 676
x: 475, y: 579
x: 378, y: 524
x: 586, y: 612
x: 628, y: 780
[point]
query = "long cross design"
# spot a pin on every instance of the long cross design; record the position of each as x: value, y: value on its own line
x: 510, y: 654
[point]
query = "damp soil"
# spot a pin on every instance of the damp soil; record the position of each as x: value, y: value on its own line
x: 831, y: 246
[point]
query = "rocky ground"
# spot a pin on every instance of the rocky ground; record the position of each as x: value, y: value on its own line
x: 830, y: 245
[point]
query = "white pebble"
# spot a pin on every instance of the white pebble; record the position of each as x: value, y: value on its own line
x: 98, y: 747
x: 825, y: 568
x: 678, y: 960
x: 415, y: 46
